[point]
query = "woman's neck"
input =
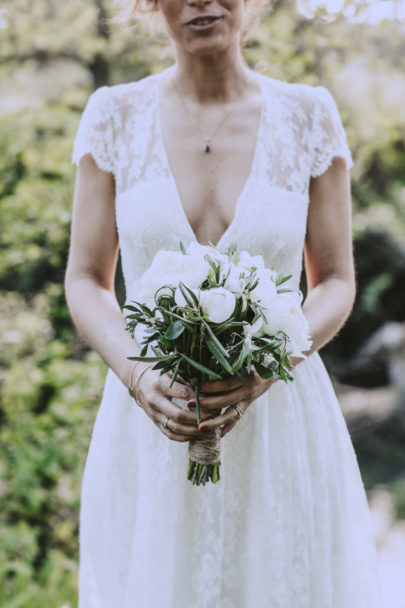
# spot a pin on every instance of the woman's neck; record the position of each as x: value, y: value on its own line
x: 211, y: 78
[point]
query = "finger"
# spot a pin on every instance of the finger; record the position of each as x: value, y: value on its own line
x: 217, y: 386
x: 179, y: 391
x: 181, y: 429
x: 228, y: 427
x: 183, y: 418
x: 171, y: 435
x: 216, y: 402
x: 230, y: 415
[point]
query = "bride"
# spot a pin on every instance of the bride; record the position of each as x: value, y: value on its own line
x: 210, y: 151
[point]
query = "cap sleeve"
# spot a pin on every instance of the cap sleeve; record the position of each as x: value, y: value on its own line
x: 95, y: 134
x: 329, y: 137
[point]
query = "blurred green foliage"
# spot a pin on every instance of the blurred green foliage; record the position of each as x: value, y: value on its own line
x: 52, y: 55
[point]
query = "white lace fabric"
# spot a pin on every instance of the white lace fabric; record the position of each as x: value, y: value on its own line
x: 288, y: 525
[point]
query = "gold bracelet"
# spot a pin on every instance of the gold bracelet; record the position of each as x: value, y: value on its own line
x: 132, y: 388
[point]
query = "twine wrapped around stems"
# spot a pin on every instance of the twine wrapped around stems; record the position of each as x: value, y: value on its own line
x: 207, y: 450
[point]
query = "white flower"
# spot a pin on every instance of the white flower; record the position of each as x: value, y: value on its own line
x: 217, y: 304
x: 265, y: 291
x: 256, y: 329
x: 171, y: 267
x: 180, y: 299
x: 234, y: 281
x: 285, y: 314
x: 247, y: 261
x: 195, y: 249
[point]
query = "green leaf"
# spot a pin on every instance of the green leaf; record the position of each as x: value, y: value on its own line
x: 165, y: 344
x: 189, y: 322
x: 218, y: 355
x: 174, y: 330
x: 211, y: 262
x: 144, y: 351
x: 129, y: 307
x: 284, y: 290
x: 191, y: 293
x: 263, y: 371
x: 282, y: 280
x: 176, y: 371
x: 255, y: 284
x: 187, y: 298
x: 150, y: 359
x: 182, y: 249
x: 146, y: 310
x: 243, y: 353
x: 215, y: 340
x: 200, y: 367
x: 165, y: 365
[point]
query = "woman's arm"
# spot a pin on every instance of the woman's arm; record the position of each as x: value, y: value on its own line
x: 90, y: 294
x: 331, y: 286
x: 91, y: 267
x: 328, y: 254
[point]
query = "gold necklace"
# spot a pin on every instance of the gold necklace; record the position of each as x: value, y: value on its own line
x: 206, y: 138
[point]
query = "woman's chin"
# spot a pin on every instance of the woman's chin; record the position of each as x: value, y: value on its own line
x: 206, y: 46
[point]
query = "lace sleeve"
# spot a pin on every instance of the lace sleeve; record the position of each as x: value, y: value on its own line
x: 95, y: 133
x: 329, y: 137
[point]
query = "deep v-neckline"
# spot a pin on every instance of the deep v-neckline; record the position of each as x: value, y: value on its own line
x: 172, y: 179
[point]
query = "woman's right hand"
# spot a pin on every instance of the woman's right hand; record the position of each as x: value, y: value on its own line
x: 154, y: 396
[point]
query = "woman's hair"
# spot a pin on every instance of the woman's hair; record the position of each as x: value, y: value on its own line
x: 130, y: 10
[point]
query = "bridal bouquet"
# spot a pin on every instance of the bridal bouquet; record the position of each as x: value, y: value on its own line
x: 207, y: 314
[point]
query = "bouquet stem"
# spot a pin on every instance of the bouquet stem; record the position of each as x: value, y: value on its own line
x: 199, y: 473
x: 203, y: 464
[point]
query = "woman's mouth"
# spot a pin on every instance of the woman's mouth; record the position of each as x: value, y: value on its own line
x: 203, y: 23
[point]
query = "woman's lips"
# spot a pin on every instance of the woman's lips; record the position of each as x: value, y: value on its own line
x: 201, y: 24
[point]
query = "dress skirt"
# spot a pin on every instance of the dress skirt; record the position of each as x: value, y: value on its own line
x: 287, y: 526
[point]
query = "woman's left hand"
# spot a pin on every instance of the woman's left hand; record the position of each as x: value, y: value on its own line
x: 218, y: 394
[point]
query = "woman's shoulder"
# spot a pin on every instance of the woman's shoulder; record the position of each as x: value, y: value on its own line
x: 302, y: 97
x: 127, y: 95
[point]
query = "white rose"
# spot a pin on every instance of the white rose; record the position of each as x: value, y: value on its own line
x: 285, y: 314
x: 265, y: 291
x: 256, y: 329
x: 234, y: 282
x: 196, y: 249
x: 171, y: 267
x: 247, y: 261
x: 180, y: 299
x: 217, y: 304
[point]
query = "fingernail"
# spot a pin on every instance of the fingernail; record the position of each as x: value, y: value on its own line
x: 191, y: 403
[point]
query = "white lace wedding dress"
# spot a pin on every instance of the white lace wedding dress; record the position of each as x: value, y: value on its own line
x: 288, y: 525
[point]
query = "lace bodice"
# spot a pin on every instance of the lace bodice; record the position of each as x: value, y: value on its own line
x: 300, y: 132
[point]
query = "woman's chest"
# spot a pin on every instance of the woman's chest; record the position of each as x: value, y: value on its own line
x: 210, y: 163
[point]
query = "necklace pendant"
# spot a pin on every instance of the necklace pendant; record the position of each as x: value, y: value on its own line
x: 207, y: 148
